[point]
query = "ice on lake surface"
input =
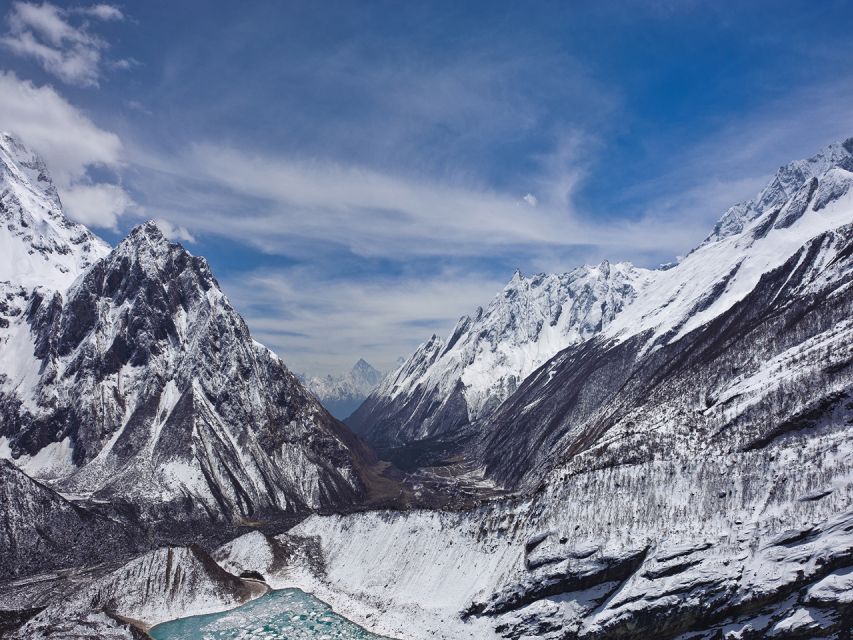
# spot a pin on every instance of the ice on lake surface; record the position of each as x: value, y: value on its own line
x: 288, y: 614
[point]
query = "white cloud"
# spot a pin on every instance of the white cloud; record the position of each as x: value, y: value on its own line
x: 106, y: 12
x: 70, y: 144
x: 58, y: 131
x: 97, y: 205
x: 286, y: 204
x: 174, y: 232
x: 531, y: 199
x: 45, y: 33
x: 320, y: 326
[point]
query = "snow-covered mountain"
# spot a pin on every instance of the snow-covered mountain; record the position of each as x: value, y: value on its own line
x: 39, y: 245
x: 342, y: 394
x: 43, y: 531
x: 686, y: 473
x: 680, y: 466
x: 140, y: 383
x: 450, y: 382
x: 745, y: 336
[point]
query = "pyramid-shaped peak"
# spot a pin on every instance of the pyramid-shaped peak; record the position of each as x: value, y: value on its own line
x: 362, y: 364
x: 148, y: 230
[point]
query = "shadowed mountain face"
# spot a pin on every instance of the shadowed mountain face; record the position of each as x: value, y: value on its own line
x: 43, y: 531
x: 778, y: 361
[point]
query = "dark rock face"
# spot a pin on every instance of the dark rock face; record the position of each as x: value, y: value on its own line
x: 155, y: 587
x: 799, y: 591
x: 40, y: 530
x: 153, y: 383
x: 377, y: 419
x: 568, y: 577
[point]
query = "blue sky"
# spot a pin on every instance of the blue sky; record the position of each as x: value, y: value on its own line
x: 361, y: 174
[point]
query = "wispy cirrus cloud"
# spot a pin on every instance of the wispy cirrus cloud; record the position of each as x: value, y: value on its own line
x: 61, y: 40
x: 382, y: 318
x: 287, y: 206
x: 378, y: 166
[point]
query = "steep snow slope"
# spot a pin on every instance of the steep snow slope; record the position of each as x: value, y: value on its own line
x: 762, y: 344
x: 342, y: 395
x: 448, y: 383
x: 40, y: 247
x: 803, y: 200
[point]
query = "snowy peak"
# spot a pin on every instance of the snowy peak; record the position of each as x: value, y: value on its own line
x: 28, y: 169
x: 803, y: 200
x: 40, y: 246
x: 342, y: 394
x: 365, y: 369
x: 787, y: 181
x: 487, y: 355
x: 143, y: 383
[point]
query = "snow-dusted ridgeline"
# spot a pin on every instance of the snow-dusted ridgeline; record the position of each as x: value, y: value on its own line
x: 771, y: 349
x: 803, y: 200
x: 450, y: 382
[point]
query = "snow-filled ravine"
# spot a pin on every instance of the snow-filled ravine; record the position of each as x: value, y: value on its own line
x: 289, y: 614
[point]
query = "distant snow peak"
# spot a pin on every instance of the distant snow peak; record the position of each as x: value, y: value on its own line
x: 342, y: 394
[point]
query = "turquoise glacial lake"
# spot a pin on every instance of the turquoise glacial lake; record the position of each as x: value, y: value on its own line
x: 288, y: 614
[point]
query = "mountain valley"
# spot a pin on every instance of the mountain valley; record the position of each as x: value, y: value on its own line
x: 609, y: 452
